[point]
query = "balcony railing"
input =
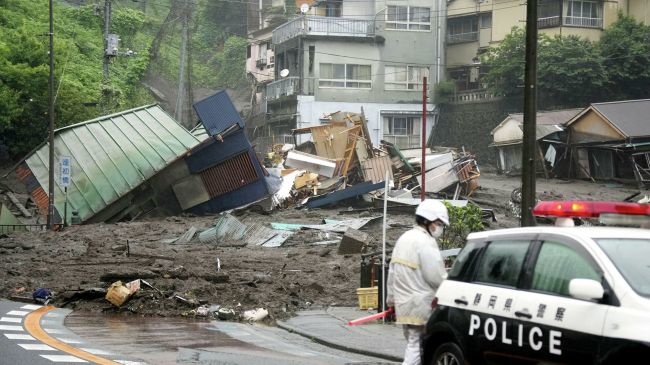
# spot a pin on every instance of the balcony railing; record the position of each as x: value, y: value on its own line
x: 549, y: 22
x: 471, y: 96
x: 583, y: 22
x: 289, y: 86
x: 462, y: 37
x: 326, y: 26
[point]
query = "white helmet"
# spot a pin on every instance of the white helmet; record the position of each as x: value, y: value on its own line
x: 432, y: 210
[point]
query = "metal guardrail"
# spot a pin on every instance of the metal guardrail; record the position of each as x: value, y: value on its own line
x: 321, y: 25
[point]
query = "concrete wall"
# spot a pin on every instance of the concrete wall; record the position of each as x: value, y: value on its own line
x: 469, y: 125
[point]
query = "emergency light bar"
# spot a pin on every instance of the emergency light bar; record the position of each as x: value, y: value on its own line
x: 608, y: 213
x: 588, y: 209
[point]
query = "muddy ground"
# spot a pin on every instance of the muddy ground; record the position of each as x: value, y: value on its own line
x: 78, y: 263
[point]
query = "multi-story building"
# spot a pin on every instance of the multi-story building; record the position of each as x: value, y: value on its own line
x: 355, y: 56
x: 475, y: 25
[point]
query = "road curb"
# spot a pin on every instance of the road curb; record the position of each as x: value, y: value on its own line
x: 336, y: 345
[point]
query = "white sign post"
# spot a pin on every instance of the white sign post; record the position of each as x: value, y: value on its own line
x: 65, y: 170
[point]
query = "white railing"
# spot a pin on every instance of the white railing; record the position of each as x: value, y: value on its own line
x: 471, y: 96
x: 289, y: 86
x: 548, y: 22
x: 462, y: 37
x: 321, y: 25
x: 583, y: 22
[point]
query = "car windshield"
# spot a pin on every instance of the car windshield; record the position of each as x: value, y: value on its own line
x: 632, y: 258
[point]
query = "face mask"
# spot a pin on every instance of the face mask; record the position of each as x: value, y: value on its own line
x: 437, y: 232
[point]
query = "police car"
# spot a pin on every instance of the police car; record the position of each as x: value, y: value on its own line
x: 548, y: 295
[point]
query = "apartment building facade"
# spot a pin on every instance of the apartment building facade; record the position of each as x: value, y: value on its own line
x: 475, y: 25
x: 355, y: 56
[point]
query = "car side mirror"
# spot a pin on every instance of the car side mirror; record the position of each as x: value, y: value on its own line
x: 586, y: 289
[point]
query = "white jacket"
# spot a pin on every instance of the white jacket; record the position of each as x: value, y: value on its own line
x: 416, y: 271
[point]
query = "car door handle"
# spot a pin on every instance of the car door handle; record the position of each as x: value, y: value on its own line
x: 462, y: 301
x: 523, y: 314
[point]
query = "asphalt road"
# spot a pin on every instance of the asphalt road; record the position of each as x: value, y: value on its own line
x: 33, y: 335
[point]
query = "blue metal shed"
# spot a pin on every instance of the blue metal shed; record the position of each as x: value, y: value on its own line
x: 217, y: 113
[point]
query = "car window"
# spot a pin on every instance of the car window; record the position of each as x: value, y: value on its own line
x: 632, y: 258
x: 463, y: 260
x: 501, y: 262
x: 556, y: 265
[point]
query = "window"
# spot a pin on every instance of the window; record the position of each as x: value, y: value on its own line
x: 548, y: 13
x: 556, y: 265
x: 486, y: 21
x: 408, y: 18
x: 404, y: 77
x: 333, y: 8
x: 584, y: 14
x: 403, y: 131
x: 463, y: 29
x: 344, y: 75
x: 631, y: 258
x: 501, y: 263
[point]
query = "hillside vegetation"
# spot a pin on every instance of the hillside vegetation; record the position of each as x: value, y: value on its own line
x: 150, y: 47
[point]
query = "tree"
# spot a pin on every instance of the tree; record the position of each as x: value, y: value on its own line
x: 625, y: 46
x: 569, y: 69
x: 505, y: 64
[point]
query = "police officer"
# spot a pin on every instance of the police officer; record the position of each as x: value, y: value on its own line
x: 416, y: 271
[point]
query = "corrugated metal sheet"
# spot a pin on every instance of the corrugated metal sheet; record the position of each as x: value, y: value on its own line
x: 227, y: 229
x: 229, y: 175
x: 111, y: 156
x: 217, y: 113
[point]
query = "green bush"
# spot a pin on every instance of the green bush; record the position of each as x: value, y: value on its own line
x: 462, y: 221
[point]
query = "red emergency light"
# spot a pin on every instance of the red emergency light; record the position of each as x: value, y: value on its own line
x: 588, y: 209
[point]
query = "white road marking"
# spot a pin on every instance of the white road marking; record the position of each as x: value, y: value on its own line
x: 17, y: 313
x: 54, y: 330
x: 36, y: 347
x: 16, y: 336
x: 63, y: 358
x: 127, y: 362
x: 11, y: 328
x: 31, y: 307
x: 11, y: 319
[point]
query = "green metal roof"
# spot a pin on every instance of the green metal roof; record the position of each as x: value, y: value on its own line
x: 111, y: 156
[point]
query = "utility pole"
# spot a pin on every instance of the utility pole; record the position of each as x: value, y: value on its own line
x: 107, y: 30
x: 530, y: 115
x: 423, y: 193
x: 50, y: 203
x: 180, y: 105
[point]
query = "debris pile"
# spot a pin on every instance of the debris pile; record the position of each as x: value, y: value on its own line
x: 339, y: 162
